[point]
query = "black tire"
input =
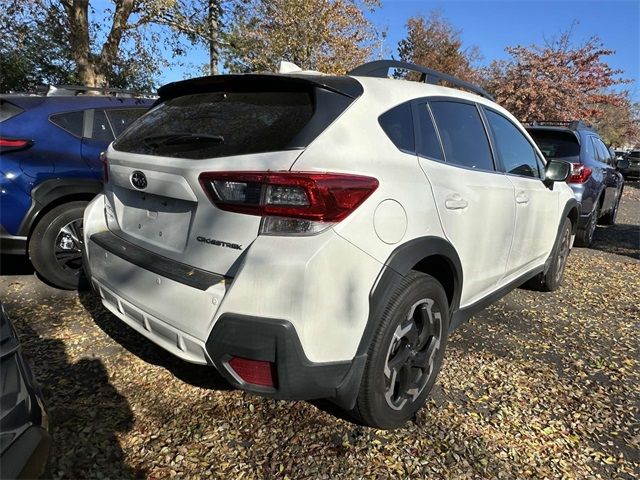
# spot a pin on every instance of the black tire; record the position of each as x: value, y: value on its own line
x: 552, y: 279
x: 610, y: 217
x: 61, y: 267
x: 419, y: 305
x: 584, y: 237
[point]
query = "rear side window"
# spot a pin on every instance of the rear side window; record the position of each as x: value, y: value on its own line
x: 121, y: 119
x: 463, y: 136
x: 428, y: 142
x: 397, y: 123
x: 556, y: 143
x: 8, y: 110
x: 516, y: 153
x: 220, y: 124
x: 69, y: 121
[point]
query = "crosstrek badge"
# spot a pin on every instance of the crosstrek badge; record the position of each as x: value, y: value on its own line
x: 219, y: 243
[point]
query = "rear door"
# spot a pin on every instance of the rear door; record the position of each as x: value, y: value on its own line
x: 474, y: 200
x: 233, y: 124
x: 609, y: 173
x: 536, y: 205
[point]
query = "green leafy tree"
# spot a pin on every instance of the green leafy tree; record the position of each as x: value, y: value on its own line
x: 331, y: 36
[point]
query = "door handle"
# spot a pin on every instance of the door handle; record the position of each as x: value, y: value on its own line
x: 456, y: 202
x: 522, y: 198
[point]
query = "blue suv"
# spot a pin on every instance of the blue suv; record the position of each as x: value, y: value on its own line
x: 50, y: 168
x: 595, y: 178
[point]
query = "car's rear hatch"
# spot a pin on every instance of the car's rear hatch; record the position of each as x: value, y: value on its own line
x: 228, y: 123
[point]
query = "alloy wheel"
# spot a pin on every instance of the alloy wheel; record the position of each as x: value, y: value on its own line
x: 410, y: 358
x: 67, y: 248
x: 563, y: 254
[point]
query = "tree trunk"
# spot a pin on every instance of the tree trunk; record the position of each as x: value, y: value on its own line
x: 77, y: 12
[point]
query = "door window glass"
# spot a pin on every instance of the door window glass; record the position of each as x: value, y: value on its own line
x: 463, y: 136
x: 516, y: 153
x: 428, y: 141
x: 101, y: 130
x: 121, y: 119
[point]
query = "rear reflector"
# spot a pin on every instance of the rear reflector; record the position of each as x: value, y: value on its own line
x: 579, y: 173
x: 305, y: 199
x: 9, y: 144
x: 255, y: 372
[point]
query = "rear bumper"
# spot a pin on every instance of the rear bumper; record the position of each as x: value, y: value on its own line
x: 276, y: 341
x: 12, y: 244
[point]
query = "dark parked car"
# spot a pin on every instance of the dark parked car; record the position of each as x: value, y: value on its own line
x: 50, y: 168
x: 24, y: 437
x: 633, y: 170
x: 595, y: 179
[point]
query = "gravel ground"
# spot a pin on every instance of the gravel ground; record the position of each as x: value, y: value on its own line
x: 536, y: 386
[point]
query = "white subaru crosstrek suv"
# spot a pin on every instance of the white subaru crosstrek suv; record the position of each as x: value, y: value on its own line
x: 317, y: 236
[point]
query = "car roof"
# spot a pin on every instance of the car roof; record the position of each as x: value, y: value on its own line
x: 74, y: 102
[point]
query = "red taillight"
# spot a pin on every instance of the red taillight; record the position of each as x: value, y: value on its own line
x: 8, y: 144
x: 299, y: 196
x: 579, y: 173
x: 105, y: 167
x: 255, y: 372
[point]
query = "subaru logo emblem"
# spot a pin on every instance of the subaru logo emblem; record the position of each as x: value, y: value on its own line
x: 139, y: 180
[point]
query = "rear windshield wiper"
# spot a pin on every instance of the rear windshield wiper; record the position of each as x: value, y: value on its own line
x: 182, y: 139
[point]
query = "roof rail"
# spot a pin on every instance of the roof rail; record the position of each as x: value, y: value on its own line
x: 571, y: 124
x: 55, y: 90
x: 380, y: 69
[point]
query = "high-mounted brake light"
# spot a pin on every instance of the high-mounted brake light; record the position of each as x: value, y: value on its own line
x: 12, y: 144
x: 579, y: 173
x: 299, y: 203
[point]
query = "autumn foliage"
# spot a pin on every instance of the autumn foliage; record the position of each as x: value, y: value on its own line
x: 556, y: 81
x: 434, y: 43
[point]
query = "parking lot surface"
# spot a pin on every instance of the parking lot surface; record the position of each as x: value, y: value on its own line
x: 537, y: 386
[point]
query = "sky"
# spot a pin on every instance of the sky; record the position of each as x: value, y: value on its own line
x: 493, y: 25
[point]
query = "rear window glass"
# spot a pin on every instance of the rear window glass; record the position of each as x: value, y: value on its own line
x: 556, y: 144
x: 8, y: 110
x: 70, y: 121
x: 397, y: 123
x: 219, y: 124
x: 635, y: 154
x: 121, y: 119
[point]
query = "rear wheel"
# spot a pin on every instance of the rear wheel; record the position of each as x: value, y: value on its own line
x: 584, y: 238
x: 406, y: 353
x: 55, y: 247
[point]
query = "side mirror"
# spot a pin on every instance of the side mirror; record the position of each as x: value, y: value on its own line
x: 556, y: 171
x: 622, y: 164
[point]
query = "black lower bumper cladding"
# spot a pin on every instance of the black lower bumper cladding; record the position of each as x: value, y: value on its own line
x: 276, y: 341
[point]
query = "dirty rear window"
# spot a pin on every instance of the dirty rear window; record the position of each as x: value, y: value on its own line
x: 219, y: 124
x: 556, y: 144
